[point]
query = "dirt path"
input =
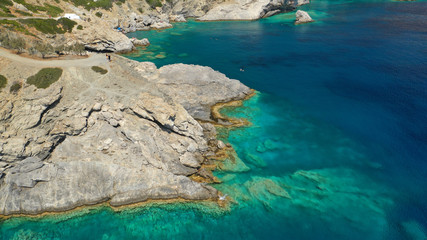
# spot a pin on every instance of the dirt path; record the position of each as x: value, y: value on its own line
x: 28, y: 17
x: 93, y: 60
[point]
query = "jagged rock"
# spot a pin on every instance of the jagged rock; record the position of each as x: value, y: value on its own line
x: 189, y: 160
x: 177, y: 18
x: 20, y: 7
x: 135, y: 22
x: 140, y: 42
x: 302, y: 17
x: 302, y: 2
x: 189, y: 88
x: 97, y: 107
x: 246, y: 10
x: 98, y: 36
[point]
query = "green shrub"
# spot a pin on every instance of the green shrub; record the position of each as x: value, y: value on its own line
x: 98, y: 14
x: 45, y: 77
x: 99, y: 70
x: 78, y: 48
x: 80, y: 27
x: 154, y: 3
x: 52, y: 10
x: 50, y: 26
x: 3, y: 81
x: 23, y: 13
x: 5, y: 12
x: 6, y: 3
x: 67, y: 24
x: 12, y: 41
x: 49, y: 9
x: 15, y: 26
x: 43, y: 48
x: 140, y: 10
x: 16, y: 86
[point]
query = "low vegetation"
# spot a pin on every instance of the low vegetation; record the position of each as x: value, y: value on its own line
x: 23, y: 13
x: 50, y: 26
x: 47, y: 8
x: 3, y: 81
x: 90, y: 4
x: 98, y: 14
x: 79, y: 27
x: 99, y: 70
x: 16, y: 86
x: 43, y: 48
x: 154, y: 3
x: 14, y: 26
x: 12, y: 41
x: 45, y: 77
x: 67, y: 24
x: 78, y: 49
x: 4, y: 10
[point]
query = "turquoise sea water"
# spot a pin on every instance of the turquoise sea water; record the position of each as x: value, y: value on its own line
x: 337, y: 148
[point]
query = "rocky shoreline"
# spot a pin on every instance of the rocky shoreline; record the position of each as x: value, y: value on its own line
x: 132, y: 134
x: 125, y: 137
x: 105, y: 34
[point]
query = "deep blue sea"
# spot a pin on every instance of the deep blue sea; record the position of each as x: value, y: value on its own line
x: 337, y: 148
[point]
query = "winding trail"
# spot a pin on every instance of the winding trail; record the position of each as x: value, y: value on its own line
x: 93, y: 60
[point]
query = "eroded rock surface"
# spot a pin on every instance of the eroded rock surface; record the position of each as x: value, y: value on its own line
x: 302, y: 17
x: 123, y: 137
x: 246, y: 10
x: 99, y: 36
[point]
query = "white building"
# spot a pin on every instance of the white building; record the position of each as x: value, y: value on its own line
x: 71, y: 16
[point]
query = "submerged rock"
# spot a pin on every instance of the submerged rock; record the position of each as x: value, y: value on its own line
x: 302, y: 17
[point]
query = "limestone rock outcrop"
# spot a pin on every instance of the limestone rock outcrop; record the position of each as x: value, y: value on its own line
x: 100, y: 37
x: 246, y: 10
x: 188, y: 83
x: 302, y: 17
x: 177, y: 18
x: 124, y: 137
x: 135, y: 22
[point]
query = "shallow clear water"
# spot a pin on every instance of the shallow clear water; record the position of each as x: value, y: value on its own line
x: 337, y: 145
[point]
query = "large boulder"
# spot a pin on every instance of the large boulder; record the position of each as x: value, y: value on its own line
x: 302, y: 2
x: 302, y: 17
x: 140, y: 42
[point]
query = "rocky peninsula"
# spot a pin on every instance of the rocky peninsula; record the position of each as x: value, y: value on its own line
x: 120, y: 132
x: 123, y: 136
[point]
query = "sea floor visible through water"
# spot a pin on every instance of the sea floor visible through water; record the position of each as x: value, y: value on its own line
x: 336, y: 148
